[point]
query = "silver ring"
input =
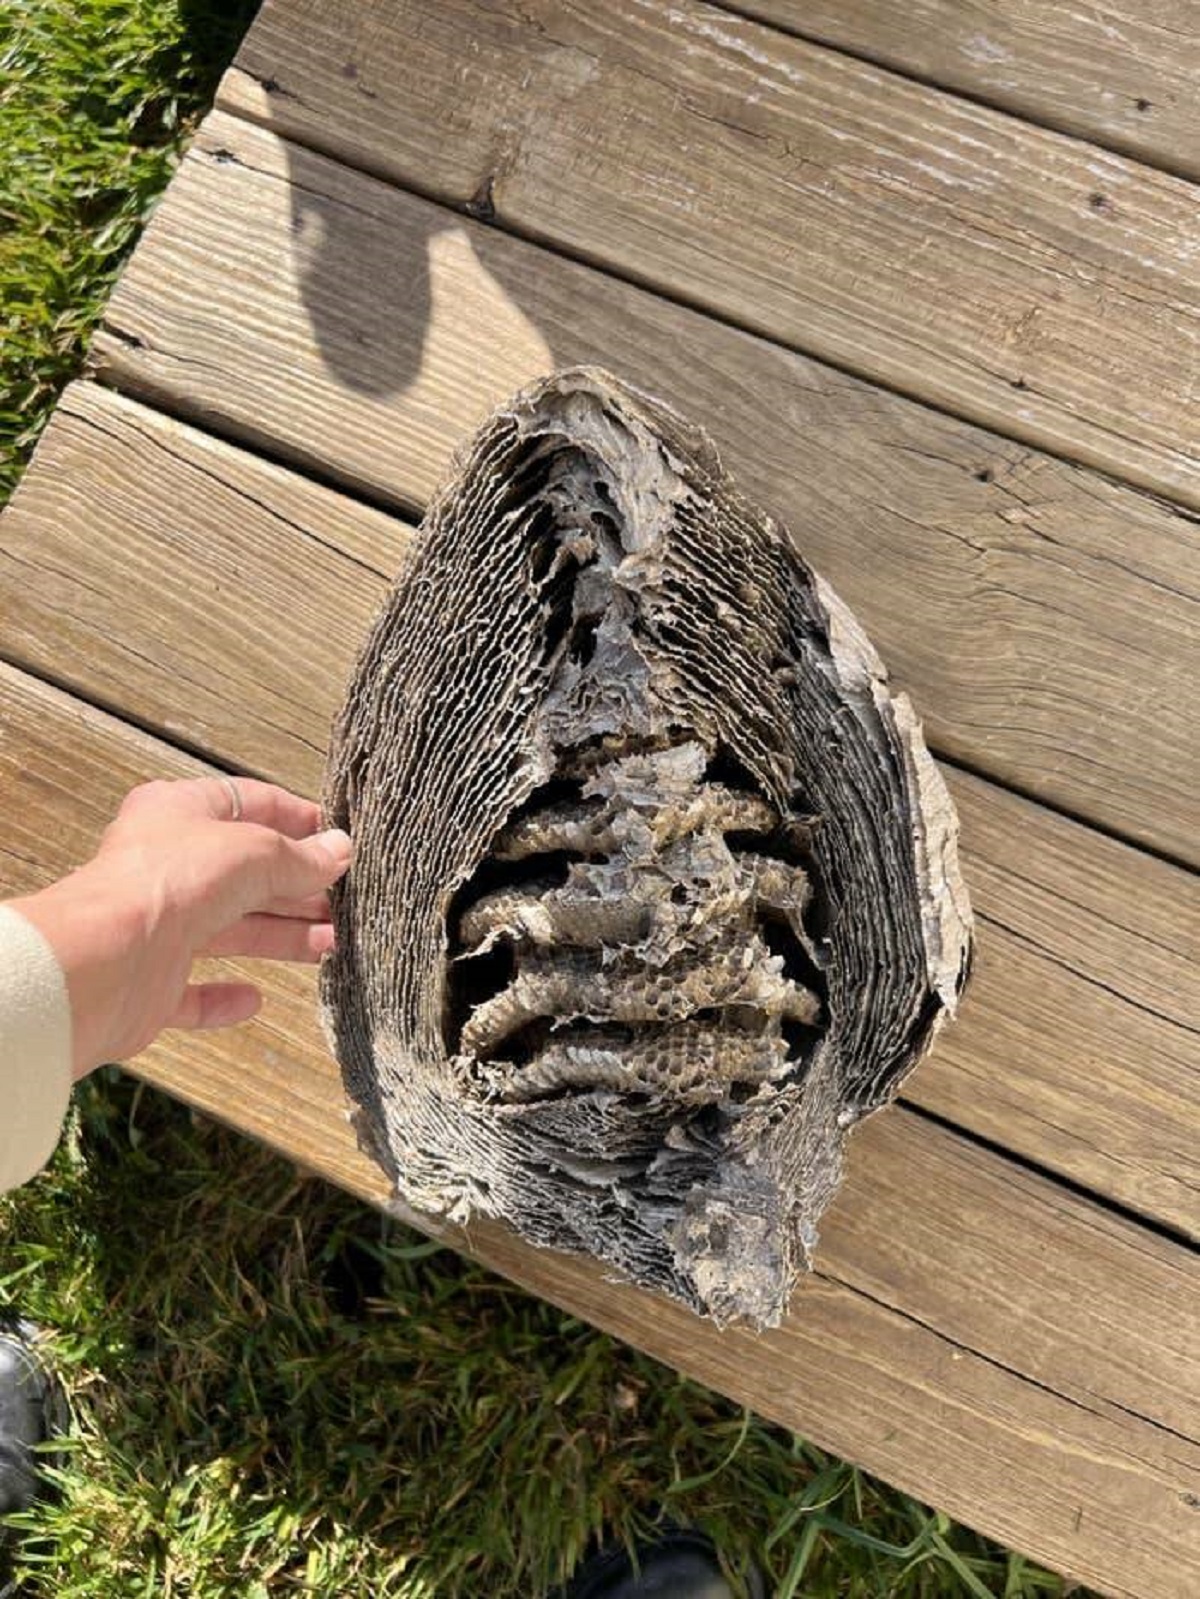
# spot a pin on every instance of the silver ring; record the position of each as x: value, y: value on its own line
x: 235, y: 798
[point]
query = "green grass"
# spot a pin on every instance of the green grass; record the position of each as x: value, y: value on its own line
x: 96, y: 98
x: 273, y: 1390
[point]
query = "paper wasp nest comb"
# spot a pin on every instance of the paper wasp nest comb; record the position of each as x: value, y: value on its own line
x: 655, y: 889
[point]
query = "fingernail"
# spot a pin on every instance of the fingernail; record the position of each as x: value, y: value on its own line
x: 337, y: 843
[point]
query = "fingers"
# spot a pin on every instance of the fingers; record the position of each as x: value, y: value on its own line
x: 216, y: 872
x: 313, y: 908
x: 246, y: 868
x: 211, y: 798
x: 208, y: 1005
x: 263, y: 803
x: 275, y: 938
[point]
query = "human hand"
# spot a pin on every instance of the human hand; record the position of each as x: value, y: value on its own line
x: 208, y: 866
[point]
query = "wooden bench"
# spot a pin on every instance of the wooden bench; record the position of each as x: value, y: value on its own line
x: 954, y: 350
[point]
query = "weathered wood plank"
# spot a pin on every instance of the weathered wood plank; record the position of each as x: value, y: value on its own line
x: 196, y: 588
x: 1123, y: 75
x: 940, y: 1344
x: 1080, y: 1049
x: 253, y: 589
x: 1004, y: 272
x: 364, y: 332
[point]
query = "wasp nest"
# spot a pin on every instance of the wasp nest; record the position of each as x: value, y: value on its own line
x: 655, y: 890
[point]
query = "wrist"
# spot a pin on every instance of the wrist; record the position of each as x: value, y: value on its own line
x: 94, y: 935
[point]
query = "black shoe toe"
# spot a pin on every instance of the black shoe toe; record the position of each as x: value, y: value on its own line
x: 681, y: 1565
x: 30, y: 1411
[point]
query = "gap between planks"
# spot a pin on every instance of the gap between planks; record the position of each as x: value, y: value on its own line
x: 1113, y: 77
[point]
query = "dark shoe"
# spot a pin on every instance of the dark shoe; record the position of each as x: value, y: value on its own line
x: 32, y: 1410
x: 680, y: 1565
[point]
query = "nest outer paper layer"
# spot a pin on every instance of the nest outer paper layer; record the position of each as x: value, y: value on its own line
x: 655, y: 890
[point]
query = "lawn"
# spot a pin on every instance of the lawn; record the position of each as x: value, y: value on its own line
x: 273, y: 1389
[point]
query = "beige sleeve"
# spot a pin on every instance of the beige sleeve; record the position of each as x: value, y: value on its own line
x: 35, y: 1050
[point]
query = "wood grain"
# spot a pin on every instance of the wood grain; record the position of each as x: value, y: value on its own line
x: 1004, y: 272
x: 195, y: 588
x: 1123, y: 75
x: 955, y: 1362
x: 221, y: 599
x: 363, y: 333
